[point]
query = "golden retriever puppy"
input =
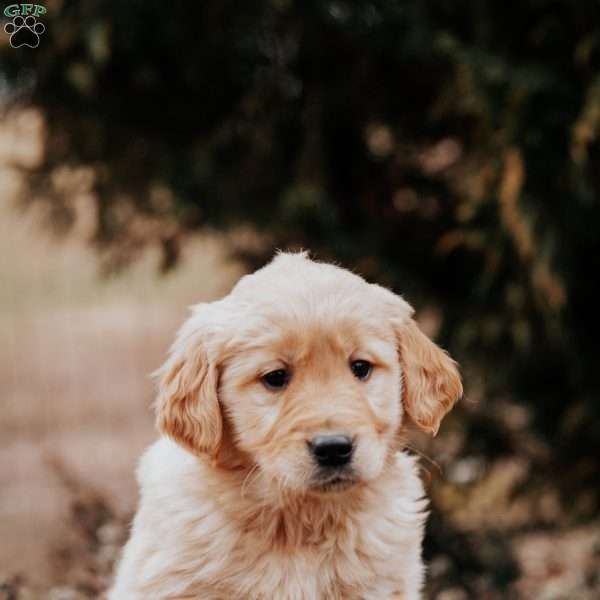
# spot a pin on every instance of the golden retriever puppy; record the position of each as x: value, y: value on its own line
x: 281, y: 475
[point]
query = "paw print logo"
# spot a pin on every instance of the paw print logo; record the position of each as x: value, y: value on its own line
x: 24, y: 31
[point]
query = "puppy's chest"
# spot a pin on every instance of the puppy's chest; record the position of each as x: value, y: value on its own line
x: 319, y: 564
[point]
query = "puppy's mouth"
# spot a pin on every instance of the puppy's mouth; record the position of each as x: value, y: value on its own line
x: 336, y: 482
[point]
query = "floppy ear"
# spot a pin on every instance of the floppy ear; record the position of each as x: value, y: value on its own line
x: 187, y: 407
x: 431, y: 383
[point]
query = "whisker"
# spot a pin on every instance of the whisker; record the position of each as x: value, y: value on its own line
x: 248, y: 479
x: 424, y: 456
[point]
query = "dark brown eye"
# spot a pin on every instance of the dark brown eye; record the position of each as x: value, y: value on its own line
x: 276, y: 380
x: 361, y: 368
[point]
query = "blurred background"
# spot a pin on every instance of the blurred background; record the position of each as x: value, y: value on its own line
x: 152, y: 152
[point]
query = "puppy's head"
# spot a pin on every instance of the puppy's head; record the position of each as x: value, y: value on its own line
x: 307, y: 372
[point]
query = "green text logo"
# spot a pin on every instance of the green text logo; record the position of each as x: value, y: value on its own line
x: 22, y: 10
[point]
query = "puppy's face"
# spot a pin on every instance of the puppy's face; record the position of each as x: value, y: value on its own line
x: 308, y: 372
x: 314, y: 398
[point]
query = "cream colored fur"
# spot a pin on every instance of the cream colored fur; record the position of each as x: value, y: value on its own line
x: 231, y: 506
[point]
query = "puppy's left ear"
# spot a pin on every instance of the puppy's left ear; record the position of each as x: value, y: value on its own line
x: 430, y: 379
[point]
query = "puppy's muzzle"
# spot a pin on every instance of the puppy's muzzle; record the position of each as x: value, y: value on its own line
x: 332, y: 450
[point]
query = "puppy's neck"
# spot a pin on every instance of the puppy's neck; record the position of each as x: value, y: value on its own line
x: 286, y: 520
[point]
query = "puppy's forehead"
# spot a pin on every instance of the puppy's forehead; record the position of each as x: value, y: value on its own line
x: 296, y: 289
x: 298, y: 298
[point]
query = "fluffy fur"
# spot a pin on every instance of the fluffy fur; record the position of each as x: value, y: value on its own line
x: 232, y: 503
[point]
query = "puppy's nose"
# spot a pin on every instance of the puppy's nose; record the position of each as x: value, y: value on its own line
x: 332, y: 450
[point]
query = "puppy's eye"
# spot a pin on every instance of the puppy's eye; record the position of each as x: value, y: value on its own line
x: 361, y: 368
x: 276, y: 380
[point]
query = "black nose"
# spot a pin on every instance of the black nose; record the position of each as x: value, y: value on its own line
x: 332, y: 450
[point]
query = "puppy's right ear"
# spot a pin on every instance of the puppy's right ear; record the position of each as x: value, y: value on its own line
x: 187, y: 407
